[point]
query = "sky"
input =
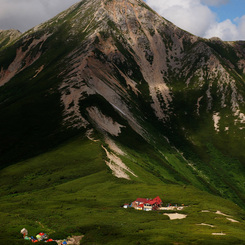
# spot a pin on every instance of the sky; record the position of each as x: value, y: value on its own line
x: 25, y: 14
x: 206, y: 18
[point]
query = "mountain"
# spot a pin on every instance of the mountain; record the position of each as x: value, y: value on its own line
x: 109, y: 95
x: 8, y: 36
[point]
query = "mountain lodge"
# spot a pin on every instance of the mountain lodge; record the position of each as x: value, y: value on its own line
x: 147, y: 204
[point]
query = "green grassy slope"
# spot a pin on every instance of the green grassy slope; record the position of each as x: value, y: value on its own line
x: 61, y: 185
x: 70, y: 190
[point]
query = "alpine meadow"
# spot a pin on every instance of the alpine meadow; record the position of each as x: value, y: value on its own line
x: 108, y: 102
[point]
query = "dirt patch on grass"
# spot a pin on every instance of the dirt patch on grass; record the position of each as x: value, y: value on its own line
x: 219, y: 234
x: 220, y: 213
x: 233, y: 220
x: 206, y: 225
x: 176, y: 216
x: 74, y: 240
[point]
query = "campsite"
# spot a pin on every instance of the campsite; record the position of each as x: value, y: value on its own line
x: 43, y: 237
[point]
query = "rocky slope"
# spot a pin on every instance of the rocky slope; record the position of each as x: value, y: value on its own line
x: 118, y: 68
x: 8, y: 36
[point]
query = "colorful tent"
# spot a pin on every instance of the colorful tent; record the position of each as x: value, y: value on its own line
x: 38, y: 237
x: 24, y: 231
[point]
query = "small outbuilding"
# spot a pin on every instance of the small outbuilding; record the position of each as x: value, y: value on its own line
x: 126, y: 205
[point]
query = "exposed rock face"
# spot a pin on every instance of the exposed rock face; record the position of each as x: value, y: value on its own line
x: 161, y: 52
x: 23, y: 59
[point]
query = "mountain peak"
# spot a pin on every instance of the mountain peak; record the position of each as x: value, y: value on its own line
x: 116, y: 67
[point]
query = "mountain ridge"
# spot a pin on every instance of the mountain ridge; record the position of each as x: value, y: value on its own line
x: 122, y: 70
x: 110, y: 99
x: 167, y: 71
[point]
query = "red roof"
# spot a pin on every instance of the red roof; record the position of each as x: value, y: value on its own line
x: 151, y: 202
x: 157, y: 200
x: 141, y: 200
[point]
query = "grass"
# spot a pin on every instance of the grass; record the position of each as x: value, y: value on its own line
x: 70, y: 191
